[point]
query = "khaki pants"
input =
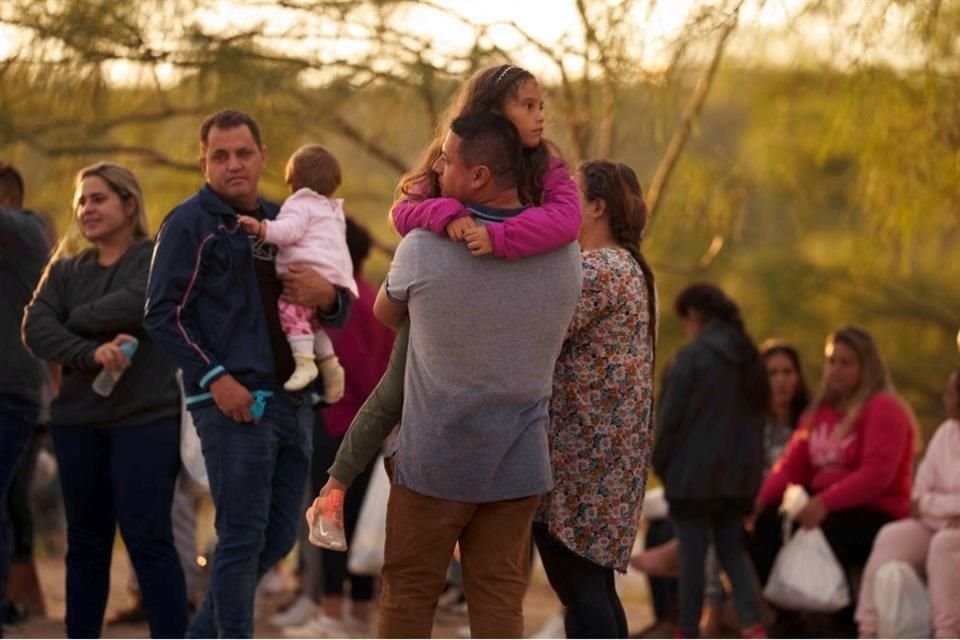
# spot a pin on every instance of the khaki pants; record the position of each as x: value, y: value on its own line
x: 495, y: 552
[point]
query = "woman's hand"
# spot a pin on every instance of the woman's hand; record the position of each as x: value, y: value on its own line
x: 333, y: 487
x: 813, y: 514
x: 110, y: 357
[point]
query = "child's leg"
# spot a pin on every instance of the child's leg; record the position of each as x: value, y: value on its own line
x: 330, y: 367
x: 295, y: 320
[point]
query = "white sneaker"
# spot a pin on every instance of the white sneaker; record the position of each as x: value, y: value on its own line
x: 305, y: 373
x: 552, y: 628
x: 272, y: 583
x: 333, y: 381
x: 299, y: 612
x: 319, y: 627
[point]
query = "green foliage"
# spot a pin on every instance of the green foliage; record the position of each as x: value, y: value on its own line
x: 834, y: 192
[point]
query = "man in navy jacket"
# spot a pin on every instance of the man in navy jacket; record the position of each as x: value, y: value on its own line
x: 212, y: 304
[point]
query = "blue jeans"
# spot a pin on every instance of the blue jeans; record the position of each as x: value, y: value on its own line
x: 122, y: 475
x: 18, y: 417
x: 257, y: 473
x: 694, y: 535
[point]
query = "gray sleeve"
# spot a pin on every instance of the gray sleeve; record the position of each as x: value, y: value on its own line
x: 402, y: 276
x: 44, y: 330
x: 120, y: 311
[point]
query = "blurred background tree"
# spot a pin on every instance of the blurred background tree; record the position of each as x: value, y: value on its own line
x: 809, y: 164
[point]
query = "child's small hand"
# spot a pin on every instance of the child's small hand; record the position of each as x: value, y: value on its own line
x: 250, y: 224
x: 478, y: 240
x: 457, y: 228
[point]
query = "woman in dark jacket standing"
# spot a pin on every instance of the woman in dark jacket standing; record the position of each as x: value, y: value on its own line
x: 119, y: 454
x: 709, y: 448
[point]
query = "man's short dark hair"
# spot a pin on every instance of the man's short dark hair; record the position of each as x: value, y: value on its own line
x: 228, y: 119
x: 492, y: 140
x: 11, y: 185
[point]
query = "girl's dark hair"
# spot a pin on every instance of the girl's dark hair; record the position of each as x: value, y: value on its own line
x: 801, y: 395
x: 486, y: 91
x: 617, y: 185
x: 359, y: 243
x: 715, y: 306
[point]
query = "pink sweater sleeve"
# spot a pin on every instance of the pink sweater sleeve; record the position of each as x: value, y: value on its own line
x: 290, y: 224
x: 433, y: 214
x: 934, y: 499
x: 541, y: 229
x: 792, y: 468
x: 886, y: 435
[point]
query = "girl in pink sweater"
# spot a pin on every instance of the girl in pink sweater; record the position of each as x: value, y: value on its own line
x: 853, y: 452
x: 930, y: 539
x: 310, y: 229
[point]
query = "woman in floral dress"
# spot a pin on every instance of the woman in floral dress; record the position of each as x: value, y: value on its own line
x: 601, y: 429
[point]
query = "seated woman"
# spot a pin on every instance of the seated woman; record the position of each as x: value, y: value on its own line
x: 930, y: 539
x: 853, y: 452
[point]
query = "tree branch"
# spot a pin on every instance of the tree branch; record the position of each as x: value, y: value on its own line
x: 692, y: 111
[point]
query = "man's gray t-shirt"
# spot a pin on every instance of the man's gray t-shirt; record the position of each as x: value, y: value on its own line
x: 485, y: 334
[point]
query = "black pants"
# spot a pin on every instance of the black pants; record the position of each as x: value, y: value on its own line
x: 122, y: 475
x: 850, y: 533
x: 586, y: 589
x: 335, y: 562
x: 663, y: 591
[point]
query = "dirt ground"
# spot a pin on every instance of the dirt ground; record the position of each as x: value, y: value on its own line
x: 539, y: 605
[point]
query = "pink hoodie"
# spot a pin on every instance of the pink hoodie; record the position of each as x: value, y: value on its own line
x: 537, y: 230
x: 936, y: 487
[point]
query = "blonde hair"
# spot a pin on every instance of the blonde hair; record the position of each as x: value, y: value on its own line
x: 874, y: 378
x: 123, y: 183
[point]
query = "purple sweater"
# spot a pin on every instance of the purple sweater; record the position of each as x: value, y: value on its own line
x: 537, y: 230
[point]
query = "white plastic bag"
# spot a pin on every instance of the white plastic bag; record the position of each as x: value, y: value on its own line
x: 903, y: 608
x: 806, y: 576
x: 191, y: 454
x: 366, y: 546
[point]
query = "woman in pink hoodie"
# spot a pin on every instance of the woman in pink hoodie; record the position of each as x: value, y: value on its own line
x: 929, y: 541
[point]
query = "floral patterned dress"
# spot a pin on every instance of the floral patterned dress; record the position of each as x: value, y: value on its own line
x: 601, y: 414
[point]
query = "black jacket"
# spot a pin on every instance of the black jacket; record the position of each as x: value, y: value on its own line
x: 709, y: 443
x: 204, y: 303
x: 23, y: 253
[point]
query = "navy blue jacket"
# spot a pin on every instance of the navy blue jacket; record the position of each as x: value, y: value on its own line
x: 204, y: 305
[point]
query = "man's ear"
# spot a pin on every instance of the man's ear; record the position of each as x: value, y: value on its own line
x: 481, y: 176
x: 202, y: 163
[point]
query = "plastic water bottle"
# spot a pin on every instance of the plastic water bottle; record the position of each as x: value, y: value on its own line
x: 105, y: 381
